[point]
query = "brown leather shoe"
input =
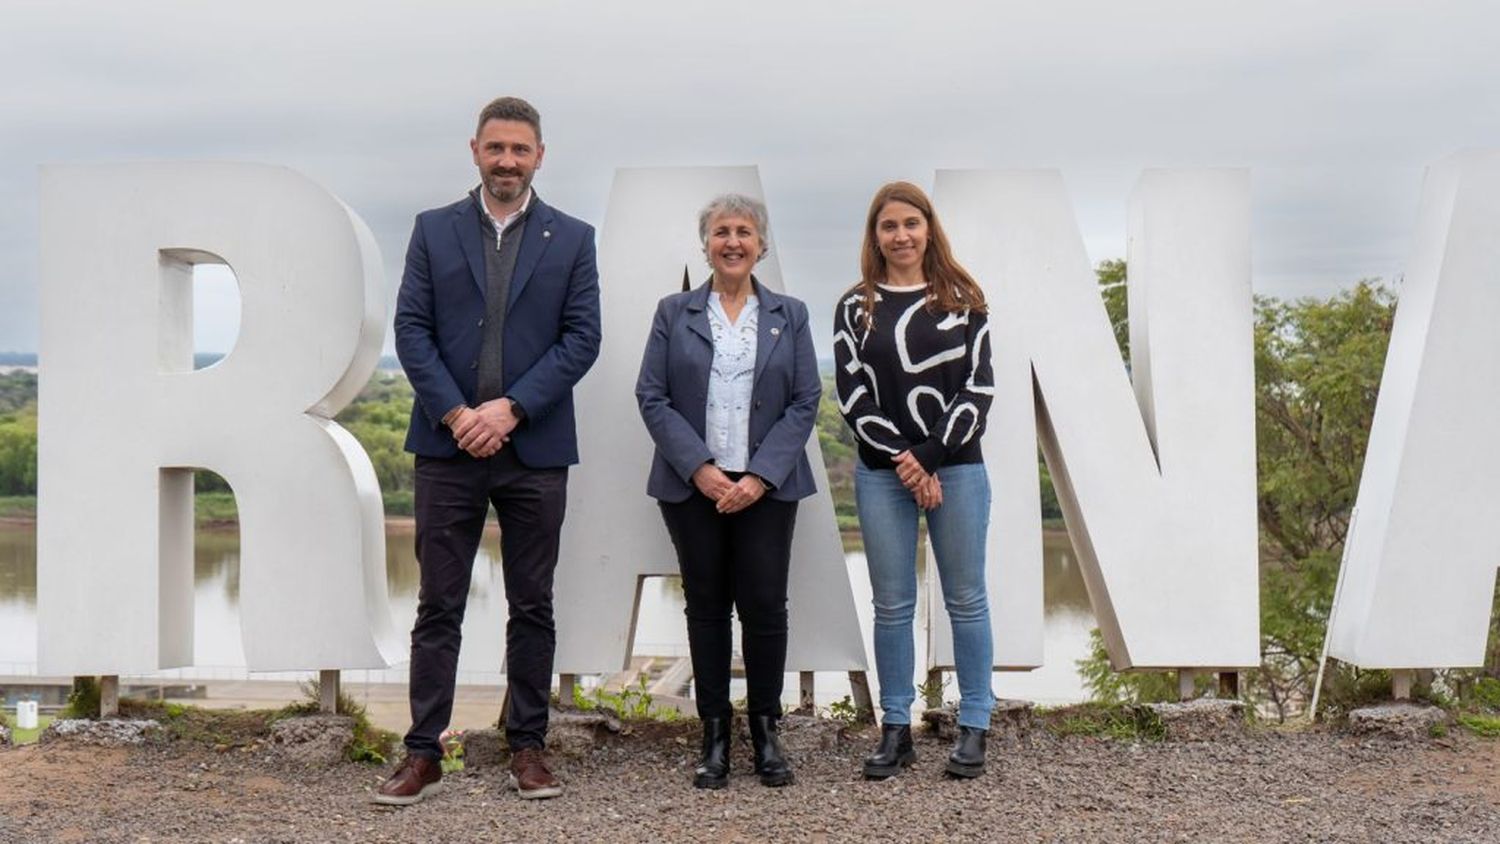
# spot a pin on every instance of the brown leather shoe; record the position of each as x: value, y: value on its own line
x: 530, y: 777
x: 416, y: 779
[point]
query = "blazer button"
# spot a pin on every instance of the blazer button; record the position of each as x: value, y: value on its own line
x: 481, y: 322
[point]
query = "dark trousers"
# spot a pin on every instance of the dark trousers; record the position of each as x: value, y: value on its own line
x: 453, y: 497
x: 737, y: 561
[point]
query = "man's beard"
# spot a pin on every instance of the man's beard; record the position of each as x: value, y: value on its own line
x: 498, y: 190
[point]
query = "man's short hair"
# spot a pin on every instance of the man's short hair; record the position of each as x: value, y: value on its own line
x: 510, y: 108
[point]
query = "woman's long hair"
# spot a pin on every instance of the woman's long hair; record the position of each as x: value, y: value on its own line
x: 950, y: 288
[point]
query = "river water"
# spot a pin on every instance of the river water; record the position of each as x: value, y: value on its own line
x: 659, y: 630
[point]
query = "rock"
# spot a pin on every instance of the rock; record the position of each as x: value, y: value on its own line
x: 942, y: 722
x: 1398, y: 720
x: 1011, y: 721
x: 110, y: 733
x: 1203, y: 719
x: 312, y: 740
x: 570, y: 732
x: 802, y: 734
x: 573, y: 732
x: 485, y: 749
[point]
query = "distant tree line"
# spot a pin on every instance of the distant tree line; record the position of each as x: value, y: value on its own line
x: 18, y: 433
x: 377, y: 418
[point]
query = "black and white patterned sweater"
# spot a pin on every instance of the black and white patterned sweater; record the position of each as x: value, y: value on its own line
x: 918, y: 380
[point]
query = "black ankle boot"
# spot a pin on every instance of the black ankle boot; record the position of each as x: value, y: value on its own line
x: 770, y: 759
x: 713, y: 768
x: 967, y: 758
x: 892, y: 754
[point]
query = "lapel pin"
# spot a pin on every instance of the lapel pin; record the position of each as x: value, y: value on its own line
x: 546, y: 232
x: 775, y: 331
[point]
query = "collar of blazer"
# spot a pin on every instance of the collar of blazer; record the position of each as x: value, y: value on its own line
x: 535, y: 237
x: 771, y: 324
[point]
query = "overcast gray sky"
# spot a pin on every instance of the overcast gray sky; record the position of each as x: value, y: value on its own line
x: 1335, y: 106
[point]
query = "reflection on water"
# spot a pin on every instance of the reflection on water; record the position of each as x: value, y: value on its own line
x: 659, y: 632
x: 17, y: 564
x: 17, y: 598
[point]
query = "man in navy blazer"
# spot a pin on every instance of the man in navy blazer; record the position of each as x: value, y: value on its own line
x: 497, y: 319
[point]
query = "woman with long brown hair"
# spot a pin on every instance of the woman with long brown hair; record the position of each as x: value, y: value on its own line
x: 912, y: 355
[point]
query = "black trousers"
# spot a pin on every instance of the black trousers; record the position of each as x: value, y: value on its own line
x: 453, y: 497
x: 737, y: 561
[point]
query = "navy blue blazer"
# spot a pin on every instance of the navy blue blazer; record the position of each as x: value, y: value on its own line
x: 673, y: 394
x: 551, y: 327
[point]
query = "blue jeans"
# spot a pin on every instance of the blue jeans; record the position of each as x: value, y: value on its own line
x: 888, y: 519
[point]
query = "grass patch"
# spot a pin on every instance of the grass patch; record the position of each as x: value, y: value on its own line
x: 19, y: 736
x: 399, y: 502
x: 848, y: 713
x: 1487, y: 692
x: 1486, y: 726
x: 218, y: 728
x: 215, y: 509
x: 83, y: 701
x: 1350, y: 688
x: 1124, y: 722
x: 18, y: 506
x: 628, y: 704
x: 210, y: 509
x: 223, y: 729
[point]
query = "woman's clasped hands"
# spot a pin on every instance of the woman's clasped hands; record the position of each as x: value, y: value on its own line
x: 728, y: 496
x: 924, y: 486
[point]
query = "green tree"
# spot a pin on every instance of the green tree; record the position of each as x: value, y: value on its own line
x: 839, y: 454
x: 378, y: 417
x: 1318, y: 365
x: 18, y: 452
x: 17, y: 390
x: 1111, y: 276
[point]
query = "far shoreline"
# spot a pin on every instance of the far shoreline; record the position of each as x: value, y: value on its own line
x: 405, y: 523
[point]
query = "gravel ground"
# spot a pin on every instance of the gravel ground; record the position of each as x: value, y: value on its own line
x: 1263, y: 785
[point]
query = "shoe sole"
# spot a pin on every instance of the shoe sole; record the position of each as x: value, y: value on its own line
x: 778, y: 780
x: 712, y: 783
x: 392, y: 800
x: 883, y: 772
x: 535, y: 793
x: 967, y: 772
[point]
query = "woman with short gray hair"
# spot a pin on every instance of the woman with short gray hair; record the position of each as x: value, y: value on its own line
x: 729, y: 391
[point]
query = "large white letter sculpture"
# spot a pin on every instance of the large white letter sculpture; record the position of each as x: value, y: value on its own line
x: 1158, y: 488
x: 124, y: 418
x: 614, y: 534
x: 1419, y: 572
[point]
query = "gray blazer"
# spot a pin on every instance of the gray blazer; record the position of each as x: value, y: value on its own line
x: 673, y: 393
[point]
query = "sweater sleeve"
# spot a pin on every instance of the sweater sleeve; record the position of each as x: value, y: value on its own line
x: 966, y: 414
x: 854, y: 383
